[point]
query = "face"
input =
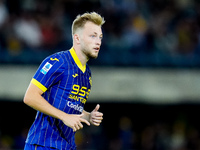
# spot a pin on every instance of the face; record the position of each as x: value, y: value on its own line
x: 90, y: 40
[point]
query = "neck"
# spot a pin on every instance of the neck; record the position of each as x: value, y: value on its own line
x: 81, y: 56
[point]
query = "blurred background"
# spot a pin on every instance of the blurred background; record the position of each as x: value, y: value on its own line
x: 146, y: 78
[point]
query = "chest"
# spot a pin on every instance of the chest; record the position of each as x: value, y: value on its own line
x: 76, y: 82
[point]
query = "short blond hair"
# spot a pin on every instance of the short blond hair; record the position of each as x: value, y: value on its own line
x: 80, y: 20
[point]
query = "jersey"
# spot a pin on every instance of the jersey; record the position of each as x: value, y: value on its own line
x: 66, y: 85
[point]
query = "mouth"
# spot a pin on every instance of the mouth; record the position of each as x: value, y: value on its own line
x: 96, y: 48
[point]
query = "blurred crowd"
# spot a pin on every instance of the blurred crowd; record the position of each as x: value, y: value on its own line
x: 136, y: 33
x: 177, y: 135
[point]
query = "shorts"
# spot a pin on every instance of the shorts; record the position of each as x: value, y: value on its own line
x: 36, y: 147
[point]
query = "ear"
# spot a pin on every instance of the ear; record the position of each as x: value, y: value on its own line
x: 76, y: 38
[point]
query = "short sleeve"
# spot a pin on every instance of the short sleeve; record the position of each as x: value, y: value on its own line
x: 49, y: 72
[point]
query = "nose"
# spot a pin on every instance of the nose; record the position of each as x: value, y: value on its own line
x: 98, y: 41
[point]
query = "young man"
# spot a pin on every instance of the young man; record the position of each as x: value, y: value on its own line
x: 60, y: 88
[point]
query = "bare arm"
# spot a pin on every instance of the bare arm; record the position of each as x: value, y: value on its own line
x: 34, y: 99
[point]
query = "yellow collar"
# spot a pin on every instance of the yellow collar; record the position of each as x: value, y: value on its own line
x: 77, y: 61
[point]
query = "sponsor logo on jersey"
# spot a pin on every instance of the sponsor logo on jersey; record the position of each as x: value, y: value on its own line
x: 46, y: 68
x: 54, y: 59
x: 74, y: 106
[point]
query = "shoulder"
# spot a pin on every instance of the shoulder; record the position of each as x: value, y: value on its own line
x: 57, y: 58
x: 54, y: 62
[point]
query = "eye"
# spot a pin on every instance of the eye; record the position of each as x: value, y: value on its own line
x: 93, y: 36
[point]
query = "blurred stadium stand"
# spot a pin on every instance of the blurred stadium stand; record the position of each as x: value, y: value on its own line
x: 136, y: 33
x: 146, y: 77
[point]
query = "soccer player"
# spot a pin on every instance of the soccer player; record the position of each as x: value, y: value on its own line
x: 60, y: 88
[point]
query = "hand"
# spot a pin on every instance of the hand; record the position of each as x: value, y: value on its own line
x: 75, y: 121
x: 96, y: 117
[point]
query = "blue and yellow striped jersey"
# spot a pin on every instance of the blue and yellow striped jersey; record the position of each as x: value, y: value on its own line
x: 66, y: 85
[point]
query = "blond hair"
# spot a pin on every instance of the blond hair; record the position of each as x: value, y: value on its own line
x: 80, y: 20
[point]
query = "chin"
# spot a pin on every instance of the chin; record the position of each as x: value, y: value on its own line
x: 93, y: 56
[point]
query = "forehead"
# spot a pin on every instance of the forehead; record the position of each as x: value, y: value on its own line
x: 91, y: 28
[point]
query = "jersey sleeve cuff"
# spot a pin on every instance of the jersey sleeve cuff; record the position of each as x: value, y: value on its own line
x: 38, y: 84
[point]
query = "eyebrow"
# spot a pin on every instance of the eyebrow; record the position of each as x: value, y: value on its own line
x: 97, y: 33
